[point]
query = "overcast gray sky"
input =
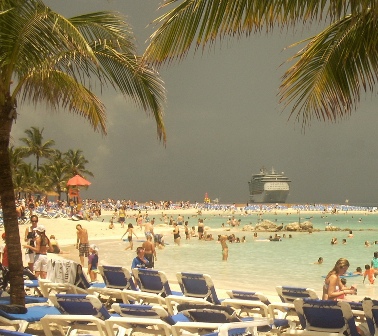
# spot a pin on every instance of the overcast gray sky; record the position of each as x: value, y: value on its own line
x: 223, y: 124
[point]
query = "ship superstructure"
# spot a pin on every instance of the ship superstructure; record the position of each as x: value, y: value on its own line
x: 268, y: 187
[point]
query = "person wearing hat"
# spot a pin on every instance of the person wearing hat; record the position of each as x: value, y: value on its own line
x: 42, y: 246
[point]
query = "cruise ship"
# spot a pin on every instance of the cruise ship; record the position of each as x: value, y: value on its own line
x: 268, y: 187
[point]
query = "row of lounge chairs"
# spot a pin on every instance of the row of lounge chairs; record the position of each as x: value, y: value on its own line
x: 148, y: 305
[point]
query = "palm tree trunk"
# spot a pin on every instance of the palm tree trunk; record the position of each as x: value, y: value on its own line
x: 17, y: 293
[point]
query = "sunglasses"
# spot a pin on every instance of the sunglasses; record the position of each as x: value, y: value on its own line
x: 34, y: 221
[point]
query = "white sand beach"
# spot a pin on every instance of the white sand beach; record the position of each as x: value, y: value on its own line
x: 64, y: 230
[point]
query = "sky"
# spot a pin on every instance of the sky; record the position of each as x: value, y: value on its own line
x: 223, y: 124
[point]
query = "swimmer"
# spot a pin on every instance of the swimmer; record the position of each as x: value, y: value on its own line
x: 358, y: 271
x: 320, y: 261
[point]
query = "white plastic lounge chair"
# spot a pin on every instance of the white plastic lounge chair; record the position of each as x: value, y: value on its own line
x: 20, y: 317
x: 324, y: 317
x: 371, y: 313
x: 240, y: 328
x: 79, y: 312
x: 153, y: 281
x: 66, y: 276
x: 255, y: 304
x: 153, y: 285
x: 198, y: 285
x: 146, y: 319
x: 116, y: 278
x: 288, y: 294
x: 207, y: 318
x: 197, y: 289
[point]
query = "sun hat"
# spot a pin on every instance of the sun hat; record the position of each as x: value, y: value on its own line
x: 93, y: 247
x: 40, y: 228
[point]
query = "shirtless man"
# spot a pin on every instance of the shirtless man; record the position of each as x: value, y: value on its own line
x: 148, y: 230
x: 223, y: 240
x: 149, y: 252
x: 82, y: 243
x: 180, y: 220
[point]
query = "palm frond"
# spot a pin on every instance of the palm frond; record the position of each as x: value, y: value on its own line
x: 201, y: 22
x: 333, y: 69
x: 58, y: 89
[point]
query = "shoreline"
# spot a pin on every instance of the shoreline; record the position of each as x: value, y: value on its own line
x: 98, y: 229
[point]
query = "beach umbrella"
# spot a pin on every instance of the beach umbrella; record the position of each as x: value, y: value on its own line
x: 77, y: 180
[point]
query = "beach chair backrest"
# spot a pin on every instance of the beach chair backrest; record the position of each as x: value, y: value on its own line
x: 288, y: 294
x: 152, y: 281
x: 136, y: 310
x: 197, y: 285
x: 210, y: 314
x: 371, y: 314
x: 80, y: 304
x: 326, y: 315
x: 252, y: 296
x: 117, y: 277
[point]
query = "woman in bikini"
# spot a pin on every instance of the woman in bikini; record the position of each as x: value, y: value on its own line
x: 42, y: 245
x: 333, y: 289
x: 130, y: 232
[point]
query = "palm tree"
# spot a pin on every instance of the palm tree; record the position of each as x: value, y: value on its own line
x: 76, y: 162
x: 16, y: 158
x: 45, y: 57
x: 34, y: 145
x: 331, y: 70
x: 58, y: 171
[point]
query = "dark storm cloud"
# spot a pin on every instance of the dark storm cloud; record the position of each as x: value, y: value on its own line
x: 223, y: 123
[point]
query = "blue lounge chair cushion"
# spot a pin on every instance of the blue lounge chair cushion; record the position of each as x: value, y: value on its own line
x: 147, y: 311
x: 33, y: 314
x: 31, y: 283
x: 115, y: 277
x: 77, y: 304
x: 206, y: 313
x: 4, y: 332
x: 5, y: 300
x: 97, y: 284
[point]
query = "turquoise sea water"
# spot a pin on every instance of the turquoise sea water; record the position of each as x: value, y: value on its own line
x: 260, y: 265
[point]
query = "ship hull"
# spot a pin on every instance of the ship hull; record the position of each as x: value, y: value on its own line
x: 270, y: 196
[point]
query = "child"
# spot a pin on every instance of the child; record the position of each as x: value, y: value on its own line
x: 369, y: 272
x: 187, y: 234
x: 93, y: 262
x: 111, y: 224
x: 130, y: 232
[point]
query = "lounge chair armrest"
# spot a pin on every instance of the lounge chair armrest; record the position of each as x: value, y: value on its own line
x: 172, y: 301
x: 281, y: 307
x: 193, y: 327
x: 245, y: 305
x: 128, y: 322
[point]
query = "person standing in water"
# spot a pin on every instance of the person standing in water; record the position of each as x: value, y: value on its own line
x: 130, y: 232
x: 223, y: 241
x: 176, y: 234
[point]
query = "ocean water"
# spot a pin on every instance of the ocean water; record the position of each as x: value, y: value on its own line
x: 259, y: 265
